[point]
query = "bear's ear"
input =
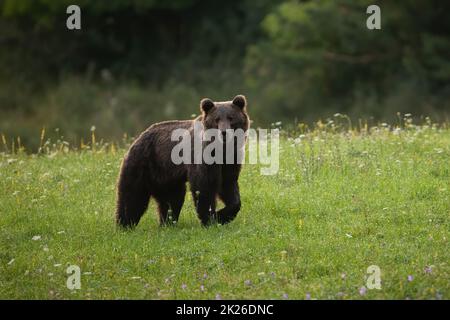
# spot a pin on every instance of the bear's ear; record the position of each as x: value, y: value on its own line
x: 206, y: 105
x: 240, y: 101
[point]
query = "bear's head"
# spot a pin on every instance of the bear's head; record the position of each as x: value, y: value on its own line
x: 225, y: 115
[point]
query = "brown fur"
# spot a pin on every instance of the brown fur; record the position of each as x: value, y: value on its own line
x: 148, y: 171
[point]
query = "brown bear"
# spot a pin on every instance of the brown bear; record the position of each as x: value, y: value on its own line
x: 148, y: 170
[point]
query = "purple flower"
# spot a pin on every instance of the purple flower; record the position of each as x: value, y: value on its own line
x: 202, y: 288
x: 218, y: 297
x: 410, y: 278
x: 205, y: 276
x: 428, y: 269
x: 362, y: 291
x: 247, y: 282
x: 184, y: 286
x: 308, y: 296
x: 285, y: 296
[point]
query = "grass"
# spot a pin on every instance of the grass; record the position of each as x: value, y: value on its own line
x: 342, y: 201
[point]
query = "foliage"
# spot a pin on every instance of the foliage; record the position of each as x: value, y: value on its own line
x: 295, y: 60
x: 320, y: 55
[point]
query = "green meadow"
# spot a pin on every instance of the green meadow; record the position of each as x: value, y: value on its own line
x: 342, y: 200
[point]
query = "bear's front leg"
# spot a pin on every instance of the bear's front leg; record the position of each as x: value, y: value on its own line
x: 232, y: 200
x: 204, y: 204
x: 204, y: 181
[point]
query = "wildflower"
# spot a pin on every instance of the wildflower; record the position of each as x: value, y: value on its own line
x: 36, y: 238
x: 184, y: 286
x: 285, y: 296
x: 308, y: 296
x: 202, y: 288
x: 343, y: 276
x: 428, y: 269
x: 410, y: 278
x: 362, y: 291
x: 247, y: 282
x: 218, y: 297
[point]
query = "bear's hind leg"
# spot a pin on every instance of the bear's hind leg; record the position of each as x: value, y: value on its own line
x: 131, y: 205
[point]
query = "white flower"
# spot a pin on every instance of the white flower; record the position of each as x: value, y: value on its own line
x: 36, y: 238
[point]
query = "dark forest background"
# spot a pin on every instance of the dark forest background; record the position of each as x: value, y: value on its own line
x: 135, y: 62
